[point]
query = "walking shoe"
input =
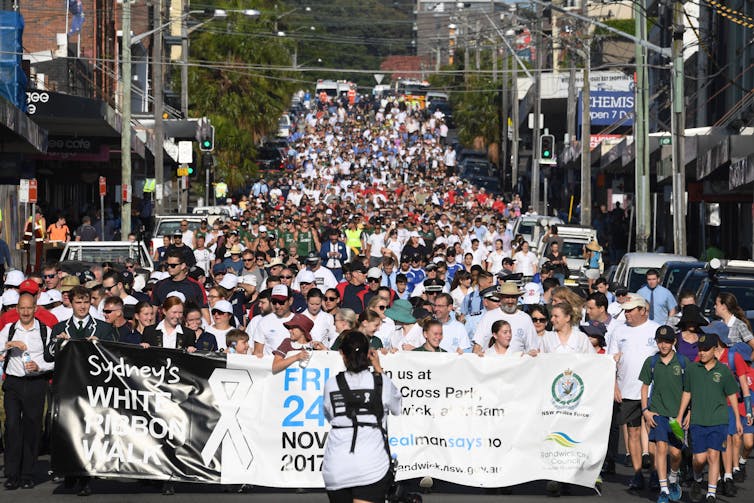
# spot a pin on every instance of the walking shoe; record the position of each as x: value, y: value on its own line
x: 553, y: 488
x: 654, y: 481
x: 711, y: 498
x: 646, y: 461
x: 637, y: 482
x: 664, y: 498
x: 738, y: 476
x: 696, y: 492
x: 727, y: 488
x: 675, y: 492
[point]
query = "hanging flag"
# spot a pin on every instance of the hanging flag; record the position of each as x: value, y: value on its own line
x: 76, y: 9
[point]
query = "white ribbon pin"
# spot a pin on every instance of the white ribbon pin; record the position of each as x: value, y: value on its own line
x: 230, y: 388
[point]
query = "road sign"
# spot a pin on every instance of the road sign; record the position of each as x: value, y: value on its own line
x: 378, y: 77
x: 185, y: 152
x: 102, y: 186
x: 33, y: 191
x: 182, y: 171
x: 23, y: 191
x: 666, y: 140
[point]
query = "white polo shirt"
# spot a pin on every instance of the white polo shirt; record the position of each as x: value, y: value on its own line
x: 635, y: 345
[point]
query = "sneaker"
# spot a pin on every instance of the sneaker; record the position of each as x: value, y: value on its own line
x: 738, y: 476
x: 727, y: 488
x: 664, y: 498
x: 675, y: 492
x: 711, y: 498
x: 646, y: 461
x: 654, y: 481
x: 637, y: 482
x: 696, y: 492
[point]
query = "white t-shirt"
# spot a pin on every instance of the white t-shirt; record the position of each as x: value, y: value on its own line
x: 369, y: 461
x: 524, y: 335
x: 525, y: 263
x: 454, y: 336
x: 271, y: 332
x: 324, y: 327
x: 219, y: 336
x: 376, y: 243
x: 414, y: 337
x: 578, y: 342
x: 386, y: 330
x: 635, y: 344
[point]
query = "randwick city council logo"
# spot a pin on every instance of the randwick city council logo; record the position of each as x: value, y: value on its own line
x: 562, y: 439
x: 567, y: 389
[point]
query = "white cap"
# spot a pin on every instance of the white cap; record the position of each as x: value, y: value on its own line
x: 280, y: 291
x: 248, y: 279
x: 223, y: 305
x: 44, y: 299
x: 262, y: 228
x: 437, y: 260
x: 306, y: 276
x: 177, y: 294
x: 229, y: 282
x: 374, y: 272
x: 413, y: 234
x: 139, y: 283
x: 14, y: 278
x: 55, y: 295
x: 10, y: 298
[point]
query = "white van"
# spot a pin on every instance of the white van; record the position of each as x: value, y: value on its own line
x: 632, y: 269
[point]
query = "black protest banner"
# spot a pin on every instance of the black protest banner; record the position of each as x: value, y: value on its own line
x: 125, y: 411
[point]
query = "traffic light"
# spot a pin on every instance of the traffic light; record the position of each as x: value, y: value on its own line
x: 547, y: 147
x: 207, y: 138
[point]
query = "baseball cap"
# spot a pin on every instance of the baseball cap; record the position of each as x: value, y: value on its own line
x: 358, y: 267
x: 14, y: 278
x: 177, y: 233
x: 508, y: 261
x: 219, y: 269
x: 223, y: 306
x: 312, y: 258
x: 44, y: 299
x: 229, y: 282
x: 54, y: 295
x: 593, y: 328
x: 301, y: 322
x: 665, y: 333
x: 433, y: 285
x: 375, y: 273
x: 178, y: 295
x: 10, y: 298
x: 306, y: 277
x: 634, y: 300
x: 29, y: 286
x: 280, y: 292
x: 707, y: 342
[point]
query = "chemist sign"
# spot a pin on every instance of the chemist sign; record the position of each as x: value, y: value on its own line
x: 607, y: 108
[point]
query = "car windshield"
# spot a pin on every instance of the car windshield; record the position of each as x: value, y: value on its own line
x: 570, y: 249
x: 692, y: 280
x: 168, y: 227
x: 637, y: 279
x: 743, y: 291
x: 674, y: 277
x: 526, y: 228
x: 108, y: 253
x: 477, y: 169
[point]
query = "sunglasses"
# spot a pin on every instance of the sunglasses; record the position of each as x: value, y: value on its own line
x: 49, y: 276
x: 277, y: 302
x: 107, y: 288
x: 539, y: 320
x: 286, y: 277
x: 108, y: 311
x: 248, y: 260
x: 217, y: 312
x: 381, y: 308
x: 373, y: 280
x: 173, y: 265
x: 331, y: 299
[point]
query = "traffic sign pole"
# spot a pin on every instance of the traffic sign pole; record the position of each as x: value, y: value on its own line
x: 102, y: 192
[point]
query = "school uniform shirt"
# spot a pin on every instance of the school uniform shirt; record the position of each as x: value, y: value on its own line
x: 491, y: 351
x: 32, y: 337
x: 635, y: 344
x: 414, y: 337
x: 578, y: 342
x: 369, y: 462
x: 709, y: 391
x: 387, y: 327
x: 271, y: 331
x: 661, y: 302
x: 667, y: 384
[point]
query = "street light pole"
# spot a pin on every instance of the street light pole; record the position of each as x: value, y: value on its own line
x: 678, y: 124
x: 157, y: 86
x: 125, y: 136
x: 184, y: 59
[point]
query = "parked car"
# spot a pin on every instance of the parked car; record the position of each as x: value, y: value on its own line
x: 284, y: 126
x: 674, y: 272
x: 575, y: 238
x: 732, y: 276
x: 480, y: 172
x: 270, y: 157
x: 89, y: 253
x: 166, y: 225
x: 633, y: 267
x: 692, y: 280
x: 532, y: 227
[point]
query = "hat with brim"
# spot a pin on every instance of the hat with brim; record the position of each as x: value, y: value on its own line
x: 274, y: 262
x: 302, y: 322
x: 69, y: 282
x: 720, y: 329
x: 400, y: 311
x: 691, y: 317
x: 594, y: 246
x: 509, y: 288
x: 634, y: 300
x: 234, y: 250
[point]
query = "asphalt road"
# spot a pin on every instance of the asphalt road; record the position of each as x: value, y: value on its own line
x: 614, y: 488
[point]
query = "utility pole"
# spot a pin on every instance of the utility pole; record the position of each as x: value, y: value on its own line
x: 571, y: 103
x: 536, y: 154
x: 504, y: 120
x: 184, y: 58
x: 586, y: 129
x: 678, y: 125
x: 157, y: 86
x: 125, y: 134
x: 641, y: 130
x: 514, y: 120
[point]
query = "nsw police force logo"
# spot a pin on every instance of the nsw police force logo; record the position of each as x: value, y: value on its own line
x: 567, y: 389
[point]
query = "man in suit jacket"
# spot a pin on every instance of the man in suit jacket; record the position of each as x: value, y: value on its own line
x: 334, y: 253
x: 81, y: 325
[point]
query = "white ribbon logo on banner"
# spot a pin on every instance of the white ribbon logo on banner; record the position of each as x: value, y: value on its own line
x: 230, y: 388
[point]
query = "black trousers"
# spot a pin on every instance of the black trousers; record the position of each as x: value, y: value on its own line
x: 24, y: 409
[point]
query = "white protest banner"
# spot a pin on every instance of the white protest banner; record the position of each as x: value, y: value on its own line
x: 485, y: 422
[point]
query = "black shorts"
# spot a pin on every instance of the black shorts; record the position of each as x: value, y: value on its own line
x: 374, y: 492
x: 630, y: 413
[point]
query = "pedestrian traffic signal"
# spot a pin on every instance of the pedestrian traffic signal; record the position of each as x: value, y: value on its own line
x: 207, y: 139
x: 547, y: 147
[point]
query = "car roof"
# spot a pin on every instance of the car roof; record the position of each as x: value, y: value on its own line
x: 644, y: 259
